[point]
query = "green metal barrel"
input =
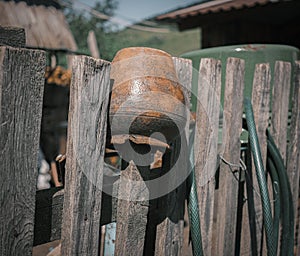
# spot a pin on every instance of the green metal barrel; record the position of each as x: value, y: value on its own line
x: 251, y: 53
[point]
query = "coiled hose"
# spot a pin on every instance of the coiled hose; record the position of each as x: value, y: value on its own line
x: 261, y: 178
x: 277, y: 200
x: 287, y: 212
x: 283, y: 207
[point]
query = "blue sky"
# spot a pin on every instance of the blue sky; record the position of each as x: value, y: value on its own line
x: 137, y: 10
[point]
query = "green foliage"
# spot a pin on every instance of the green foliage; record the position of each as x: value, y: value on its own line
x: 81, y: 22
x: 174, y: 42
x: 110, y: 41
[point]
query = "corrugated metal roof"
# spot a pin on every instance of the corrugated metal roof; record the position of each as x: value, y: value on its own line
x: 44, y: 26
x: 213, y: 7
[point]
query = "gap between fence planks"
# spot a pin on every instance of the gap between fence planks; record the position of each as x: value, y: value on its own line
x: 206, y: 144
x: 89, y: 97
x: 227, y: 193
x: 252, y: 222
x: 21, y: 92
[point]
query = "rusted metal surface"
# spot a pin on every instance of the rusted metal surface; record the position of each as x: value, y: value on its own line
x: 146, y: 95
x: 138, y: 139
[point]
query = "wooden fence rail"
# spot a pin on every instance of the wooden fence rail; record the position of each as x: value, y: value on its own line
x: 230, y: 208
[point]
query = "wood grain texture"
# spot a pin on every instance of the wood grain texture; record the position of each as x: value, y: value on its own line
x: 280, y: 105
x: 206, y: 144
x: 21, y: 96
x: 12, y: 36
x: 131, y: 214
x: 293, y: 163
x: 228, y: 185
x: 89, y: 97
x: 169, y: 235
x: 261, y: 112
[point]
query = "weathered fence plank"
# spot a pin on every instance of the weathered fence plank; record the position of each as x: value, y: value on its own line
x: 228, y: 183
x: 89, y: 97
x: 131, y: 214
x: 169, y: 235
x: 293, y: 163
x: 280, y: 105
x: 12, y: 36
x: 21, y: 96
x: 252, y: 224
x: 206, y: 144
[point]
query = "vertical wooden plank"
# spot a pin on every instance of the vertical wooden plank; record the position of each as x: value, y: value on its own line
x: 206, y: 144
x: 89, y: 97
x: 169, y: 235
x: 228, y: 184
x: 131, y: 214
x: 280, y: 105
x: 293, y: 163
x: 21, y: 96
x: 261, y: 108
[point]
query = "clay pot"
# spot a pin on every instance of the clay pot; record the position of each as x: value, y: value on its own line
x: 146, y: 96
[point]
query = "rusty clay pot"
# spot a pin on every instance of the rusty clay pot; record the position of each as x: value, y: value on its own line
x: 146, y: 96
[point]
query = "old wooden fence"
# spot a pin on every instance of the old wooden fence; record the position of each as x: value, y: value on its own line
x: 150, y: 227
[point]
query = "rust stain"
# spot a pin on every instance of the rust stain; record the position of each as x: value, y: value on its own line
x: 155, y: 101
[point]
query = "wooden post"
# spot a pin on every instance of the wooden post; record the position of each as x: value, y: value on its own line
x: 89, y: 97
x: 12, y: 36
x: 293, y: 163
x: 228, y: 184
x: 21, y: 96
x: 280, y: 105
x: 206, y: 144
x: 252, y: 211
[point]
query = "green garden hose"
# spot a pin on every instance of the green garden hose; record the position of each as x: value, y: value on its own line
x: 276, y: 195
x: 287, y: 212
x: 261, y: 178
x: 193, y: 208
x: 283, y: 207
